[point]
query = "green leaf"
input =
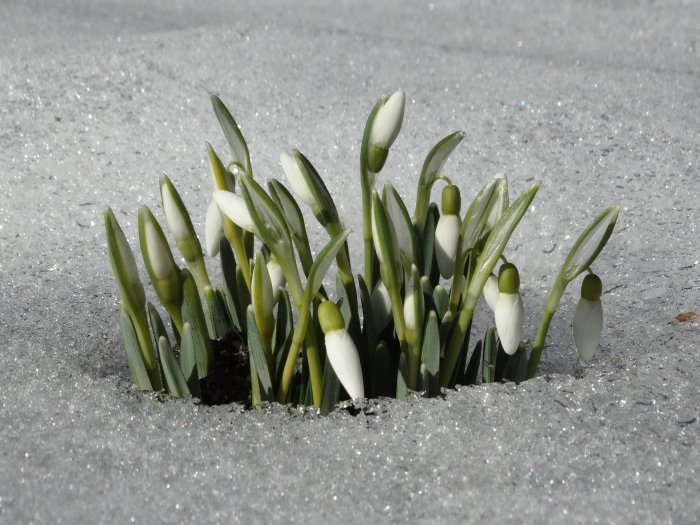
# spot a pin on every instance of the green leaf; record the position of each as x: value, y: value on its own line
x: 430, y: 356
x: 402, y: 377
x: 270, y: 224
x: 461, y: 366
x: 326, y: 212
x: 228, y: 269
x: 471, y: 374
x: 215, y: 315
x: 589, y: 244
x: 430, y: 267
x: 133, y: 353
x: 384, y: 236
x: 188, y: 360
x: 193, y: 314
x: 369, y: 332
x: 323, y: 261
x: 488, y: 372
x: 295, y: 220
x: 157, y: 325
x: 403, y: 226
x: 441, y: 300
x: 257, y: 356
x: 515, y: 365
x: 331, y: 388
x: 234, y: 137
x: 174, y: 380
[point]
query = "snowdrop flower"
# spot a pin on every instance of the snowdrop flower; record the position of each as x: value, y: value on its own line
x: 491, y: 291
x: 385, y: 128
x: 509, y: 308
x: 447, y: 231
x: 341, y: 350
x: 381, y: 306
x: 588, y: 318
x: 179, y: 221
x: 161, y: 267
x: 213, y: 229
x: 123, y: 263
x: 297, y: 180
x: 277, y: 279
x: 234, y: 207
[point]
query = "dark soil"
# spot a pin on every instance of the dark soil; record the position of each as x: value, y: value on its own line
x: 229, y: 379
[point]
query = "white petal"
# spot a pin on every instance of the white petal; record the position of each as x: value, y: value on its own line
x: 276, y: 278
x: 388, y: 120
x: 345, y: 361
x: 234, y: 207
x: 588, y: 326
x: 446, y: 236
x: 158, y: 254
x: 296, y: 179
x: 213, y: 229
x: 491, y: 291
x: 173, y: 215
x: 381, y: 306
x: 409, y: 309
x: 509, y: 320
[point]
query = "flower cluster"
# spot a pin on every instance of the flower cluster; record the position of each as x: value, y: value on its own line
x: 404, y: 324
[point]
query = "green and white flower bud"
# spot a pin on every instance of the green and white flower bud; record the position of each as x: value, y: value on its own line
x: 385, y: 128
x: 447, y: 231
x: 159, y: 261
x: 381, y: 306
x: 213, y: 229
x: 491, y: 291
x: 341, y: 350
x: 509, y: 311
x: 179, y: 221
x: 588, y: 318
x: 234, y: 207
x: 123, y: 263
x: 276, y: 278
x: 297, y: 180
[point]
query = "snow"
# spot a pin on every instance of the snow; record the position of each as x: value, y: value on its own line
x: 598, y: 102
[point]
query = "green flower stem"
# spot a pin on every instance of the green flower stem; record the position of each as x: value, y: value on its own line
x: 454, y: 346
x: 422, y: 205
x: 199, y: 272
x: 547, y: 314
x: 235, y: 236
x: 345, y: 269
x: 140, y: 321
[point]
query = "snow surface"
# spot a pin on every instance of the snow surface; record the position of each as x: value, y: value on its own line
x: 599, y: 102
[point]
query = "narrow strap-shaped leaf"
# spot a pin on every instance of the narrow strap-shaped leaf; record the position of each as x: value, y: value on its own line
x: 282, y: 335
x: 488, y: 372
x: 174, y: 380
x: 343, y: 301
x: 295, y: 220
x: 255, y: 397
x: 326, y: 212
x: 156, y: 322
x: 441, y: 300
x: 462, y: 361
x: 403, y: 225
x: 270, y: 224
x: 402, y: 377
x: 430, y: 355
x: 257, y: 355
x: 514, y: 366
x: 234, y: 137
x: 218, y: 325
x: 133, y: 354
x: 323, y: 261
x: 228, y: 269
x: 193, y: 314
x: 368, y: 329
x: 188, y: 360
x: 471, y: 374
x: 501, y: 360
x: 331, y: 388
x: 430, y: 267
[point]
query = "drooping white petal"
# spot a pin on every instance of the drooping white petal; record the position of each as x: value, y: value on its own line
x: 174, y: 215
x: 296, y: 179
x: 491, y: 291
x: 446, y: 236
x: 388, y: 120
x: 276, y: 278
x: 381, y: 306
x: 342, y: 353
x: 234, y: 207
x: 509, y: 320
x: 213, y: 229
x: 409, y: 308
x: 588, y: 326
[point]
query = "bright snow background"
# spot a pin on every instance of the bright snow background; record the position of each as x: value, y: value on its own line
x: 598, y: 103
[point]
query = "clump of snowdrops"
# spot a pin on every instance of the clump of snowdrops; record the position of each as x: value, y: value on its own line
x: 404, y: 324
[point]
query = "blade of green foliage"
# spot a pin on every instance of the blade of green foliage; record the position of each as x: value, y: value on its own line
x: 188, y: 360
x: 157, y: 326
x: 501, y: 360
x: 193, y: 314
x: 174, y: 380
x: 369, y: 333
x: 270, y: 224
x: 516, y: 365
x: 326, y: 212
x: 430, y: 267
x: 282, y: 335
x: 257, y: 356
x: 441, y: 300
x: 471, y: 374
x: 403, y: 226
x: 462, y: 360
x: 234, y: 137
x: 331, y: 388
x: 589, y: 244
x: 255, y: 397
x: 430, y: 356
x: 323, y: 262
x: 295, y: 220
x: 215, y: 315
x: 445, y: 329
x: 343, y: 301
x: 133, y: 353
x: 228, y: 269
x: 488, y: 372
x: 402, y: 377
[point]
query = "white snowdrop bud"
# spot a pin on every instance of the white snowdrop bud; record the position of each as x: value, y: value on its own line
x: 341, y: 350
x: 276, y: 278
x: 175, y: 215
x: 234, y: 207
x: 385, y: 128
x: 447, y: 231
x: 213, y: 229
x: 297, y: 180
x: 509, y: 309
x: 588, y: 318
x: 381, y: 306
x: 123, y: 263
x: 491, y: 291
